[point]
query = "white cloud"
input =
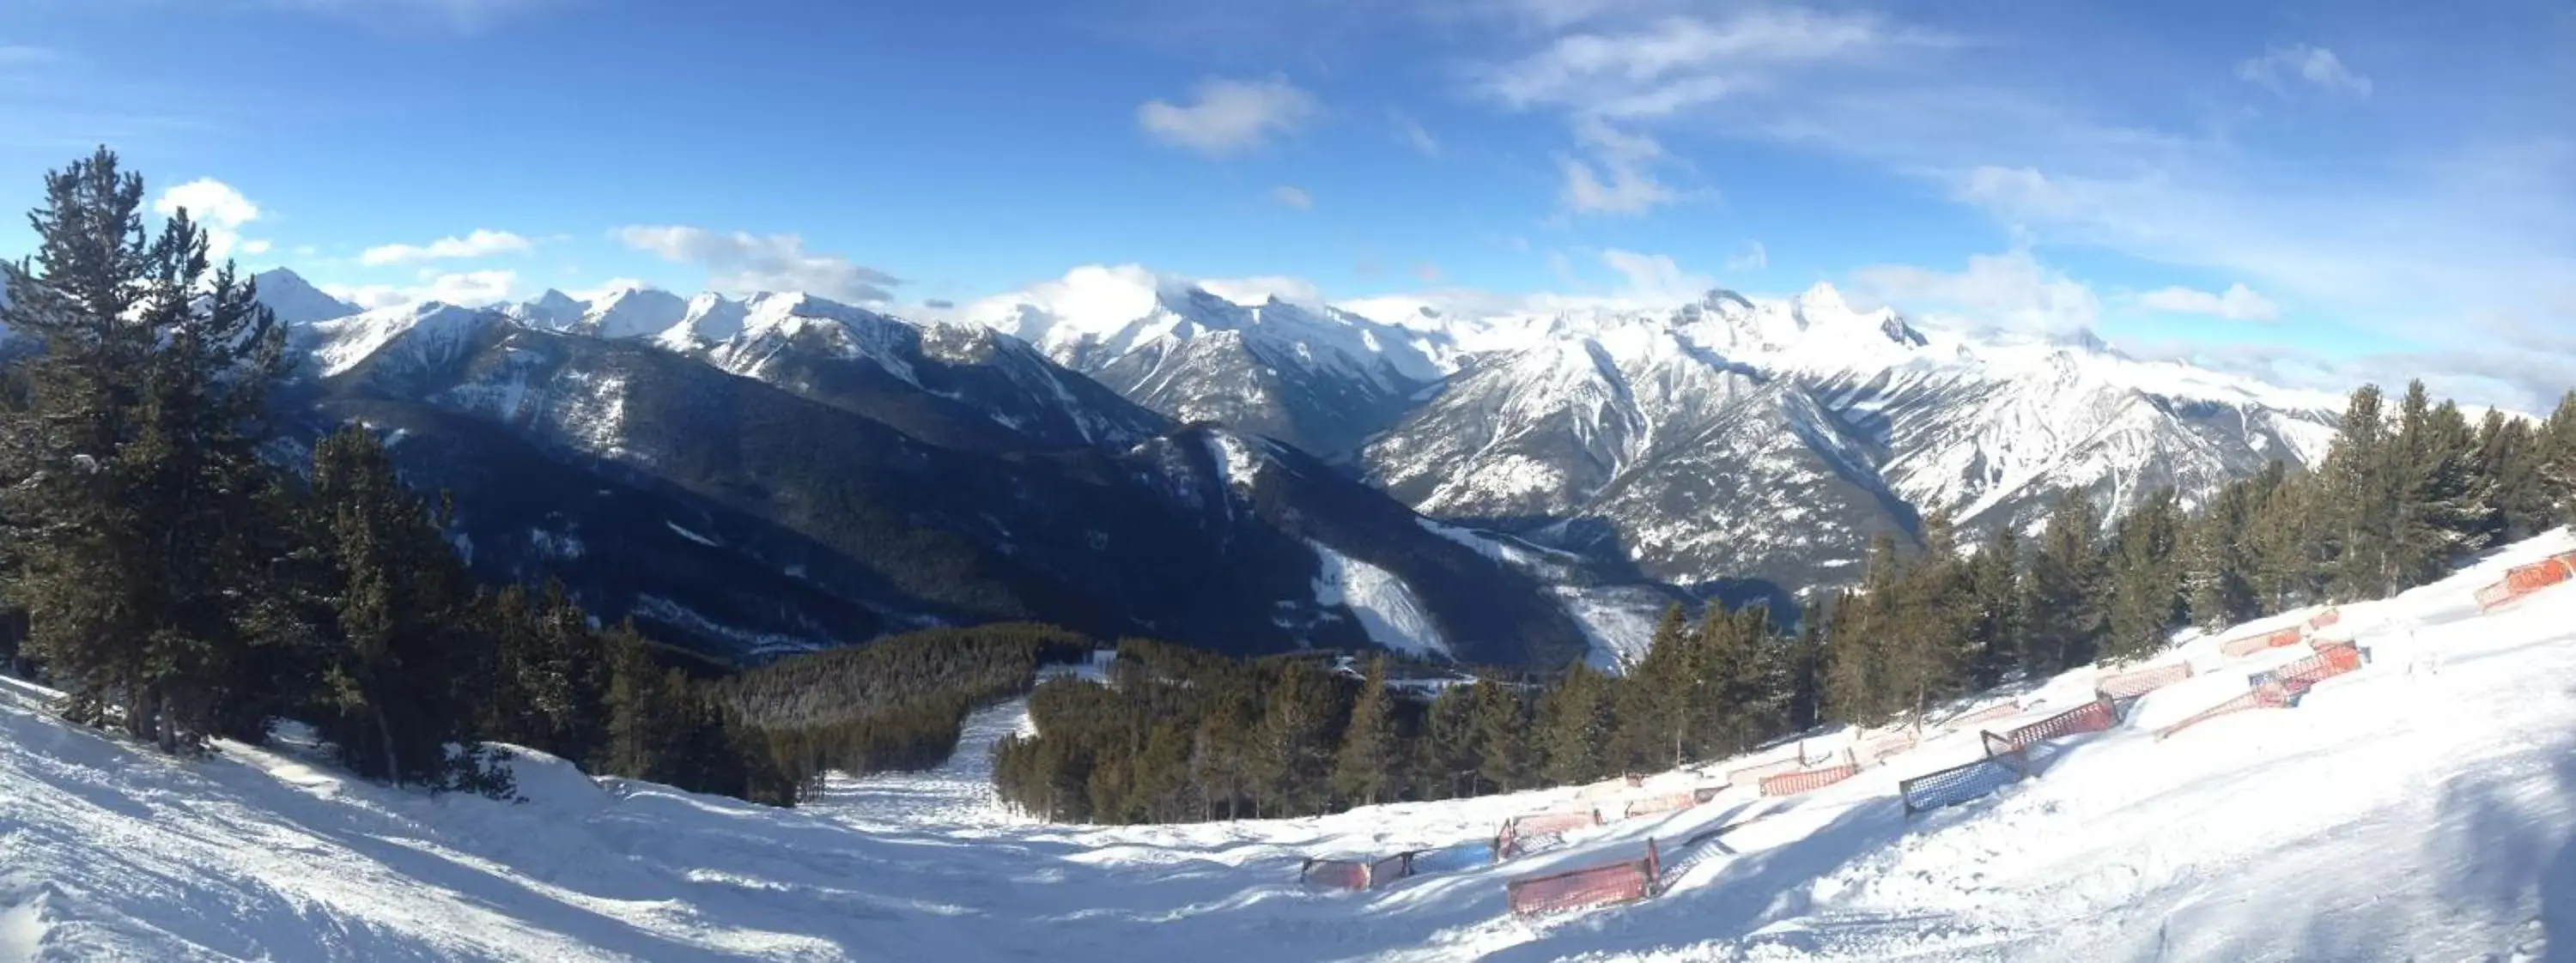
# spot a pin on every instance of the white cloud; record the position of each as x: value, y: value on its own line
x: 1656, y: 278
x: 255, y: 247
x: 1291, y: 196
x: 743, y: 262
x: 1229, y: 117
x: 2237, y: 303
x: 608, y: 287
x: 1754, y: 257
x: 482, y: 243
x: 1413, y: 135
x: 1618, y: 178
x: 1674, y: 63
x: 472, y: 289
x: 2316, y: 66
x: 2011, y: 290
x: 216, y: 207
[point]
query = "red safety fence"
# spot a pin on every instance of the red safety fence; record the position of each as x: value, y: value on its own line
x: 1334, y: 874
x: 1669, y: 802
x: 1390, y: 869
x: 1793, y: 783
x: 1608, y: 788
x: 2130, y: 685
x: 1870, y: 750
x: 2298, y: 677
x: 2257, y: 697
x: 1753, y: 775
x: 1987, y: 714
x: 1522, y: 832
x: 1622, y: 882
x: 2251, y: 644
x: 2325, y: 618
x: 2095, y: 716
x: 2523, y: 580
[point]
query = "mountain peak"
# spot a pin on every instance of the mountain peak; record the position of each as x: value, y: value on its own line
x: 296, y: 301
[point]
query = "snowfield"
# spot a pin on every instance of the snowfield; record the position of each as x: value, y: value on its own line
x: 2396, y: 813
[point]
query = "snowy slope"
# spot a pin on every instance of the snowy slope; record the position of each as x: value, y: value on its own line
x: 296, y: 301
x: 2390, y: 816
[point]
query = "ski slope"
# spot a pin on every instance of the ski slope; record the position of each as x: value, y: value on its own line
x: 2392, y: 815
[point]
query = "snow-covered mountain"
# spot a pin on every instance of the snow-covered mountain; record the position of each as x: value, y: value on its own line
x: 822, y: 474
x: 1314, y: 376
x: 296, y: 301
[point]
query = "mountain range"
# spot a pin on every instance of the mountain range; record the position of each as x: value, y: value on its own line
x: 1128, y: 454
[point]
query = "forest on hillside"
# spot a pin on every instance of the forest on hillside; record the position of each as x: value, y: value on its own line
x: 2403, y: 497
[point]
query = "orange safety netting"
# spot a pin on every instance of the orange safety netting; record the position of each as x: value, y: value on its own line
x: 2094, y: 716
x: 1753, y: 775
x: 2523, y: 580
x: 1608, y: 788
x: 2251, y: 644
x: 1793, y: 783
x: 1668, y: 802
x: 2130, y: 685
x: 1875, y: 748
x: 2297, y: 677
x: 1390, y: 869
x: 1334, y: 874
x: 2258, y: 697
x: 2325, y: 618
x: 1522, y: 832
x: 1622, y: 882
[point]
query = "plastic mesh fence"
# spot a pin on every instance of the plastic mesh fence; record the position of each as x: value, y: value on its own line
x: 2259, y: 697
x: 1524, y: 833
x: 2525, y: 579
x: 2325, y: 618
x: 2297, y: 677
x: 2095, y: 716
x: 1334, y: 874
x: 1958, y: 784
x: 1793, y: 783
x: 1987, y: 714
x: 2130, y: 685
x: 1607, y: 788
x: 1752, y: 775
x: 2251, y: 644
x: 1622, y: 882
x: 1666, y: 803
x: 1870, y: 750
x: 1390, y: 869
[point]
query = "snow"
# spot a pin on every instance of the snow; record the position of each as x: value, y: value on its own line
x: 690, y: 535
x: 431, y: 329
x: 1384, y: 605
x: 2389, y: 816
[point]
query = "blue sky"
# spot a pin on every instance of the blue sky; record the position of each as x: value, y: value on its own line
x: 2320, y: 192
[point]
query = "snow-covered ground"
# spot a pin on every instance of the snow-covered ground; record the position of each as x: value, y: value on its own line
x: 2392, y: 815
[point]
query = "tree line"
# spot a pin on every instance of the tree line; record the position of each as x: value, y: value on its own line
x: 2401, y: 498
x: 165, y: 568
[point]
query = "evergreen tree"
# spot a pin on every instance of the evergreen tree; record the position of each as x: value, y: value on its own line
x: 1575, y: 725
x: 2509, y: 456
x: 1367, y: 769
x: 2061, y: 610
x: 1292, y: 749
x: 137, y: 498
x: 397, y: 666
x: 2445, y: 504
x: 1994, y: 590
x: 1804, y: 688
x: 2219, y: 579
x: 2555, y: 452
x: 2359, y: 499
x: 654, y: 720
x: 1504, y: 759
x: 2146, y: 597
x: 1652, y: 697
x: 1448, y: 757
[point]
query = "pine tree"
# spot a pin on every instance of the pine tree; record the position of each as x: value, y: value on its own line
x: 2061, y: 610
x: 1651, y: 697
x: 1504, y: 757
x: 397, y: 662
x: 2445, y: 505
x: 2509, y: 456
x: 652, y: 715
x: 1292, y: 748
x: 2555, y: 451
x: 2220, y: 576
x: 1804, y: 689
x: 1448, y: 759
x: 1366, y: 769
x: 136, y: 497
x: 1995, y: 593
x: 2146, y: 597
x: 1575, y: 725
x: 2359, y: 499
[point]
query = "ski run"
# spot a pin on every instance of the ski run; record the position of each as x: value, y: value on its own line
x: 2416, y: 809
